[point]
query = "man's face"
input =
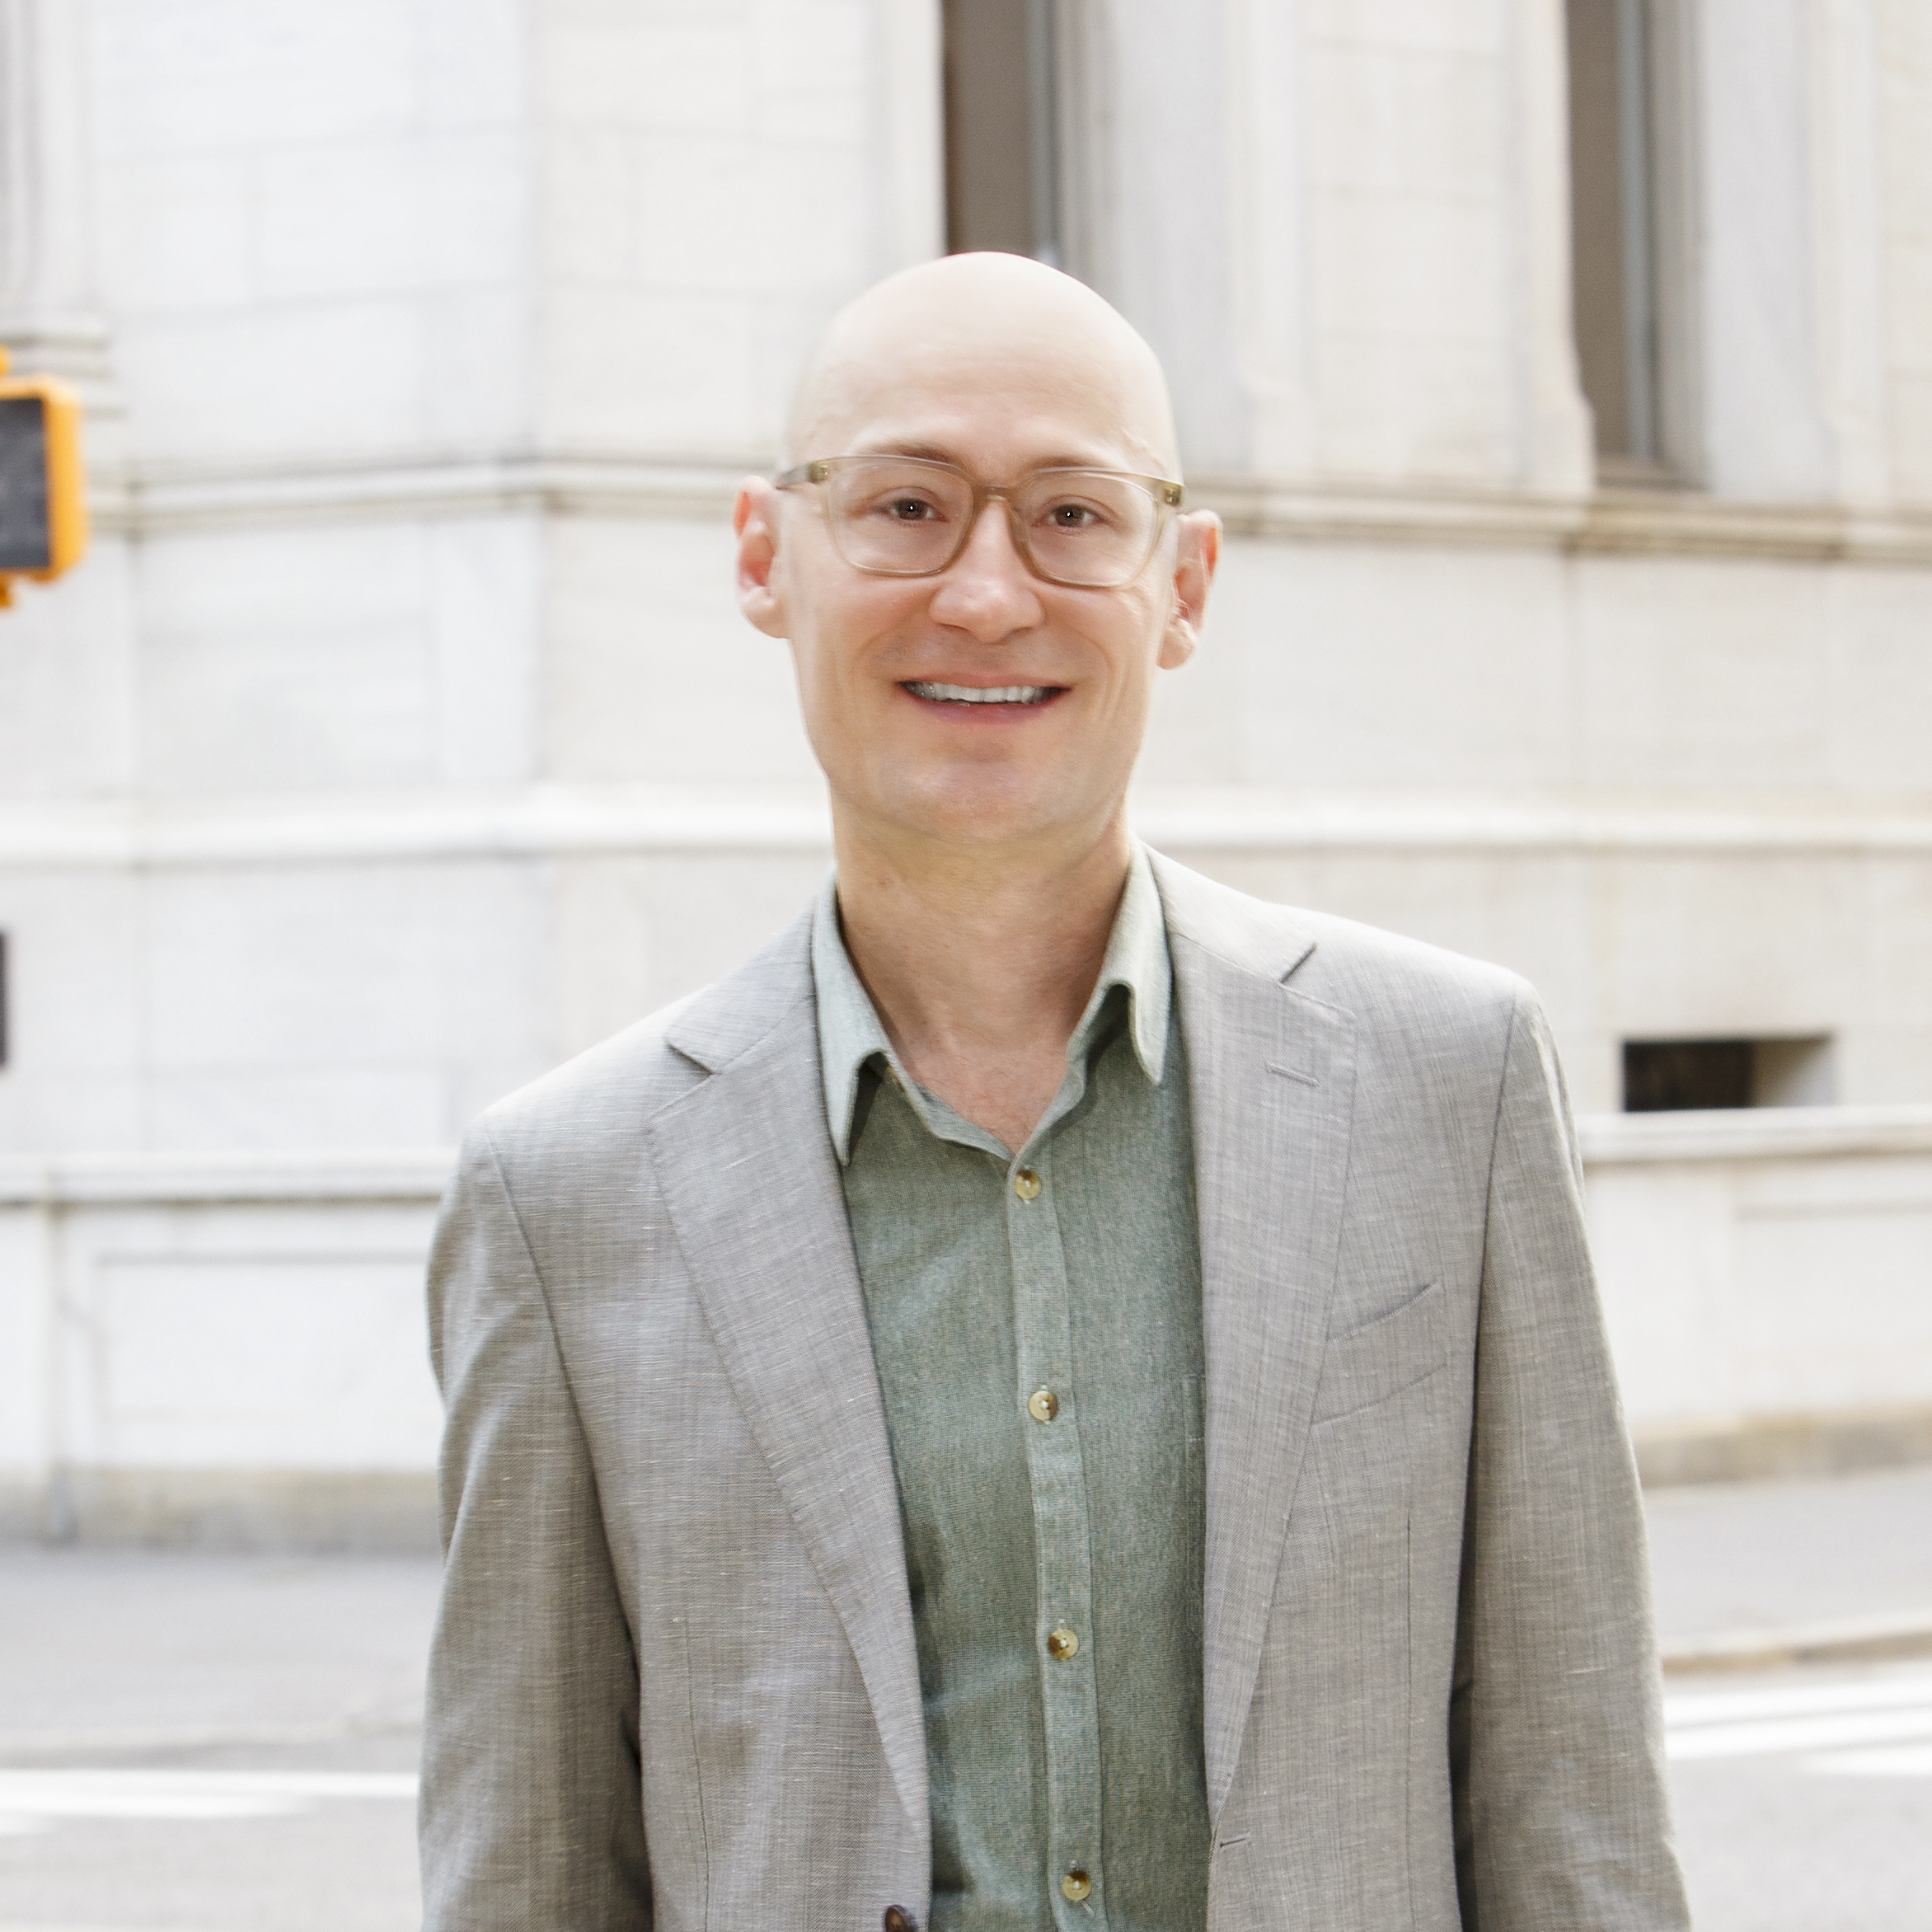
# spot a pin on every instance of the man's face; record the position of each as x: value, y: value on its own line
x: 903, y: 758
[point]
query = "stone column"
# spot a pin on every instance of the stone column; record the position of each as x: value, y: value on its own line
x: 50, y: 311
x: 1848, y: 217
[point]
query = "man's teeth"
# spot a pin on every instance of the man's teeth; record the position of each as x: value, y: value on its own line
x: 999, y: 694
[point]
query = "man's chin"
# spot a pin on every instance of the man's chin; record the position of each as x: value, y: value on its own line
x: 965, y: 811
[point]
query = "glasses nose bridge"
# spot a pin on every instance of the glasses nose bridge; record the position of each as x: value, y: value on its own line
x: 985, y: 496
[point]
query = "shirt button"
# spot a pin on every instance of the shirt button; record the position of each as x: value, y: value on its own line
x: 897, y: 1919
x: 1026, y: 1183
x: 1043, y: 1405
x: 1061, y: 1643
x: 1076, y: 1885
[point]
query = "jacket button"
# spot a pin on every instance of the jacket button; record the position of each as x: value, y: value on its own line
x: 1075, y: 1886
x: 897, y: 1919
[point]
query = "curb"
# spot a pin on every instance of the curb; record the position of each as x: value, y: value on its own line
x: 1854, y: 1640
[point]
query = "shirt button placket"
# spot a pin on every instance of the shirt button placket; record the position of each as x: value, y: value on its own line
x: 1043, y: 1331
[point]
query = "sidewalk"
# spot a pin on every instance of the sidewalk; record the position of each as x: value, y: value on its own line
x: 129, y: 1650
x: 1752, y: 1575
x: 226, y: 1743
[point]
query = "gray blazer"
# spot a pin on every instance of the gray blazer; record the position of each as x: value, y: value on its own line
x: 673, y: 1681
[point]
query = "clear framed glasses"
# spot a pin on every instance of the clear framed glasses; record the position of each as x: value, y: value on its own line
x: 909, y: 515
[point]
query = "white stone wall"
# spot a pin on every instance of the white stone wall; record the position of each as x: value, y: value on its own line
x: 231, y: 1349
x: 400, y: 737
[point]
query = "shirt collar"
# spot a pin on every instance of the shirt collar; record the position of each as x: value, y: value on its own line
x: 850, y: 1033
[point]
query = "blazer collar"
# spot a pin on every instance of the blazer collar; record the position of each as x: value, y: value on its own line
x: 751, y: 1181
x: 850, y: 1032
x: 745, y: 1163
x: 1272, y: 1076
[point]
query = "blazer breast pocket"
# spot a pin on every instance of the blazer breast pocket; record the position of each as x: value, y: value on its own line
x: 1393, y: 1353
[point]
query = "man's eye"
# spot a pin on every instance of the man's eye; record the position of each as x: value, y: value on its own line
x: 1073, y: 516
x: 909, y: 509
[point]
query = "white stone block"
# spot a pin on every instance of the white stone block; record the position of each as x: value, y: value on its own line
x: 591, y: 178
x: 54, y: 1109
x: 633, y: 935
x: 1912, y: 415
x: 629, y: 69
x: 1728, y: 946
x: 232, y: 1338
x: 1415, y: 409
x: 805, y: 207
x: 284, y: 659
x: 74, y: 997
x: 1468, y: 25
x: 1427, y: 125
x: 1662, y: 1238
x: 26, y: 1343
x: 178, y: 232
x: 343, y: 1105
x: 1409, y: 269
x: 473, y: 62
x: 411, y: 212
x: 1764, y: 437
x: 325, y: 379
x: 663, y: 374
x: 1426, y: 667
x: 1880, y: 711
x: 1895, y: 910
x: 187, y: 75
x: 810, y: 46
x: 1882, y: 1064
x: 68, y: 681
x: 1833, y: 1262
x: 485, y: 601
x: 1702, y: 674
x: 654, y: 677
x: 478, y: 382
x: 301, y: 970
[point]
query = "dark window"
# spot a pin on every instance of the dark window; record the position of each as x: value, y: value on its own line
x: 1665, y: 1076
x: 1002, y: 128
x: 1624, y: 148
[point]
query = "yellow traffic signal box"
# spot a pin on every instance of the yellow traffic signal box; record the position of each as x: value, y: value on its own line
x: 43, y: 484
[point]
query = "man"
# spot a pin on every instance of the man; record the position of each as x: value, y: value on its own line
x: 1058, y: 1395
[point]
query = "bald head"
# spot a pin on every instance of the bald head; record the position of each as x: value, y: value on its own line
x: 988, y: 327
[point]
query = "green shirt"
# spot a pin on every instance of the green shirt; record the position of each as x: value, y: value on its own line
x: 1054, y: 1551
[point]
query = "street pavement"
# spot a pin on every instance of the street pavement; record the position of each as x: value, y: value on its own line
x: 198, y: 1743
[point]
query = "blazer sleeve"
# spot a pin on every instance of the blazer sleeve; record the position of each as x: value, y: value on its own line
x: 530, y: 1814
x: 1562, y: 1811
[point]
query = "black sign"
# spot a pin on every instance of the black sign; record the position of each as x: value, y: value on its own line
x: 26, y: 539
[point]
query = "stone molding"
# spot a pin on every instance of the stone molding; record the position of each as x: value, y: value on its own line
x: 192, y: 498
x: 1754, y: 1133
x: 136, y: 1179
x: 372, y: 1175
x: 556, y: 822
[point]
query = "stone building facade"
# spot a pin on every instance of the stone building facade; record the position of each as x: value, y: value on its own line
x: 1563, y: 374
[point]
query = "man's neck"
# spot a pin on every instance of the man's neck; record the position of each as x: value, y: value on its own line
x: 981, y: 965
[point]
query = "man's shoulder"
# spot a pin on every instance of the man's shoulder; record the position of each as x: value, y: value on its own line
x: 1380, y: 979
x: 607, y: 1094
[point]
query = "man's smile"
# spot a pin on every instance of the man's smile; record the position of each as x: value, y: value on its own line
x: 968, y: 694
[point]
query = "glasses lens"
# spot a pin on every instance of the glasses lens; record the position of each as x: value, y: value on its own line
x: 897, y: 515
x: 1087, y: 527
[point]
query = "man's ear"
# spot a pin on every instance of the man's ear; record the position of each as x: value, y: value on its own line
x: 1197, y: 557
x: 755, y: 517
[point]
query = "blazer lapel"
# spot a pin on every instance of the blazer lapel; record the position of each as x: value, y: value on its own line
x: 1271, y: 1079
x: 752, y: 1185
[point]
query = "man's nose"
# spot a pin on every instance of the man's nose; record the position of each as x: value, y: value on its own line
x: 987, y: 591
